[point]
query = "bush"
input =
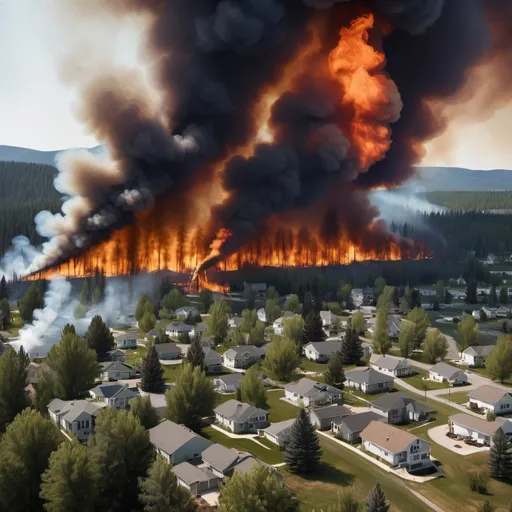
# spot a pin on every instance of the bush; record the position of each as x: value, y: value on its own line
x: 490, y: 416
x: 478, y: 481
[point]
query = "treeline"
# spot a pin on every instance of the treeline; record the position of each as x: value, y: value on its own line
x: 26, y: 190
x: 485, y: 201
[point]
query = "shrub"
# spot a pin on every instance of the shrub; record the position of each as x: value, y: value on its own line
x: 490, y: 415
x: 478, y: 481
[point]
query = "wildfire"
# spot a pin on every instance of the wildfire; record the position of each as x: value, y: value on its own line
x: 204, y: 284
x: 221, y: 237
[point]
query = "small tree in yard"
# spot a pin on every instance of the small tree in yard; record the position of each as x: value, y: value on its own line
x: 406, y: 339
x: 152, y: 373
x: 99, y: 337
x: 499, y: 361
x: 141, y: 408
x: 281, y: 359
x: 252, y: 388
x: 346, y: 502
x: 147, y: 322
x: 435, y: 346
x: 490, y: 416
x: 421, y: 321
x: 334, y: 375
x: 358, y: 322
x: 377, y: 500
x: 161, y: 338
x: 195, y: 354
x: 313, y: 328
x: 351, y: 348
x: 500, y: 457
x: 468, y: 332
x: 303, y: 449
x: 381, y: 342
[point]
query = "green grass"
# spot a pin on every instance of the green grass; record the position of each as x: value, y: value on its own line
x: 311, y: 366
x: 162, y: 324
x: 134, y: 355
x: 278, y: 409
x: 459, y: 397
x: 16, y: 324
x: 220, y: 349
x: 416, y: 380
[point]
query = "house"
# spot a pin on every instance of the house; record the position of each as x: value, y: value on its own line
x: 321, y: 351
x: 309, y: 393
x: 350, y: 427
x: 174, y: 329
x: 491, y: 259
x: 278, y: 324
x: 396, y: 447
x: 126, y: 340
x: 394, y: 322
x: 399, y: 408
x: 428, y: 292
x: 117, y: 355
x: 242, y: 356
x: 185, y: 311
x: 76, y: 417
x: 329, y: 319
x: 368, y: 294
x: 395, y: 366
x: 240, y: 418
x: 367, y: 349
x: 476, y: 355
x: 278, y: 433
x: 489, y: 398
x: 198, y: 481
x: 323, y: 417
x: 479, y: 429
x: 259, y: 288
x: 168, y: 351
x: 503, y: 312
x: 114, y: 395
x: 369, y: 380
x: 177, y: 443
x: 235, y: 321
x: 116, y: 370
x: 442, y: 372
x: 212, y: 360
x: 487, y: 312
x: 228, y: 383
x: 461, y: 281
x: 262, y: 315
x: 357, y: 296
x: 200, y: 329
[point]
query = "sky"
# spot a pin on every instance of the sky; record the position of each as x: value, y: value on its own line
x: 37, y: 110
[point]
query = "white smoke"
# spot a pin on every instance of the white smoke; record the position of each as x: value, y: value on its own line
x: 393, y: 203
x: 18, y: 258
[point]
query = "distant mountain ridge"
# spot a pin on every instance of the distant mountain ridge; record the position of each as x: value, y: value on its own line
x: 17, y: 154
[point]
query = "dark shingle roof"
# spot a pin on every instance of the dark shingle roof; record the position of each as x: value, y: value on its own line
x: 331, y: 411
x: 238, y: 411
x: 368, y: 376
x: 399, y: 400
x: 358, y: 422
x: 220, y: 457
x: 166, y: 348
x: 307, y: 387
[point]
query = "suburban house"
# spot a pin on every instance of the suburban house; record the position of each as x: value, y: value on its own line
x: 177, y: 443
x: 200, y: 329
x: 491, y: 259
x: 278, y: 324
x: 357, y: 296
x: 489, y: 398
x: 126, y: 340
x: 117, y: 355
x: 329, y: 319
x: 395, y: 366
x: 212, y: 360
x: 460, y: 281
x: 321, y: 351
x: 115, y: 370
x: 262, y: 315
x: 235, y: 321
x: 240, y: 418
x: 396, y: 447
x: 278, y: 433
x: 442, y: 372
x: 399, y: 408
x: 323, y: 417
x: 75, y: 416
x: 114, y: 395
x: 242, y: 356
x: 503, y: 312
x: 369, y: 380
x: 228, y: 383
x: 478, y: 429
x: 394, y: 322
x: 198, y: 481
x: 476, y: 355
x: 488, y: 313
x: 259, y: 288
x: 174, y: 329
x: 168, y: 351
x: 185, y: 311
x: 309, y: 393
x: 367, y: 349
x: 350, y: 427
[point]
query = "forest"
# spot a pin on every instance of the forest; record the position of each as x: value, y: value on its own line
x: 485, y: 201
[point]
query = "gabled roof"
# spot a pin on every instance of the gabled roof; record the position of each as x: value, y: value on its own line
x: 331, y: 411
x: 240, y: 350
x: 325, y: 347
x: 368, y: 376
x: 276, y: 428
x: 358, y: 422
x: 116, y: 351
x: 190, y: 474
x: 220, y: 457
x: 479, y: 350
x: 399, y: 400
x: 328, y: 316
x: 248, y: 464
x: 479, y: 425
x: 230, y: 378
x: 237, y: 411
x: 179, y: 326
x: 488, y: 394
x: 389, y: 362
x: 169, y: 436
x: 281, y: 319
x: 72, y: 409
x: 167, y: 348
x: 115, y: 366
x: 107, y: 390
x: 126, y: 336
x: 387, y: 437
x: 307, y: 387
x: 211, y: 357
x: 445, y: 370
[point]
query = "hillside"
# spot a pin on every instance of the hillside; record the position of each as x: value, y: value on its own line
x: 16, y: 154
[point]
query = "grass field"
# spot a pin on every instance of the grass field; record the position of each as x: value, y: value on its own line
x: 16, y: 324
x: 311, y: 366
x: 278, y: 409
x: 459, y: 397
x: 417, y: 381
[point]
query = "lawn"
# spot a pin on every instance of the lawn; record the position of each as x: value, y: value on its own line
x: 311, y: 366
x: 16, y: 324
x: 134, y: 355
x: 459, y: 397
x: 220, y: 349
x: 279, y: 409
x: 416, y: 380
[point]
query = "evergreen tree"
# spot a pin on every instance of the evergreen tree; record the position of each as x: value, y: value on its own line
x: 97, y: 296
x: 357, y: 322
x: 218, y: 321
x: 161, y: 338
x: 4, y: 292
x: 334, y: 375
x: 70, y: 482
x: 68, y: 329
x: 381, y: 342
x: 160, y: 492
x: 471, y: 291
x: 500, y: 456
x: 313, y: 329
x: 24, y: 452
x: 142, y: 409
x: 303, y: 449
x: 206, y: 297
x: 100, y: 338
x: 195, y: 354
x: 31, y: 301
x: 308, y: 304
x: 493, y: 297
x: 152, y: 373
x: 377, y: 500
x: 5, y: 314
x: 486, y: 506
x: 351, y: 348
x: 191, y: 319
x: 252, y: 388
x: 281, y: 358
x: 249, y: 294
x: 84, y: 293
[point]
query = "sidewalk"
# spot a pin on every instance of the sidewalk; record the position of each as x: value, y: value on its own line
x: 239, y: 436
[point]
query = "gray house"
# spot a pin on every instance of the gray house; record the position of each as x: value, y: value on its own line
x: 212, y: 360
x: 240, y: 418
x: 177, y: 443
x: 243, y: 356
x: 114, y: 395
x: 228, y: 383
x: 310, y: 393
x: 126, y: 340
x: 321, y: 351
x: 116, y: 370
x: 323, y: 417
x: 117, y: 355
x: 369, y: 380
x: 197, y: 480
x: 168, y: 351
x: 399, y: 408
x: 278, y: 433
x: 350, y: 427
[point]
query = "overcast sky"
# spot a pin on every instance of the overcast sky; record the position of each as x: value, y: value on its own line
x: 36, y: 110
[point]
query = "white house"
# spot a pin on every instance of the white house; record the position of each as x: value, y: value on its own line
x: 357, y: 296
x: 126, y: 340
x: 174, y: 329
x: 262, y: 315
x: 489, y: 398
x: 503, y: 312
x: 240, y: 418
x: 369, y: 380
x: 442, y: 372
x: 491, y: 259
x: 227, y: 383
x: 168, y: 351
x: 308, y: 393
x: 242, y: 356
x: 177, y: 443
x: 117, y: 396
x: 478, y: 429
x: 184, y: 311
x: 461, y: 281
x: 278, y: 433
x: 489, y: 313
x: 76, y: 417
x: 476, y: 355
x: 428, y: 292
x: 212, y: 360
x: 115, y: 370
x: 391, y: 365
x: 329, y: 319
x: 322, y: 351
x: 117, y: 355
x: 278, y: 324
x: 396, y: 447
x: 398, y: 408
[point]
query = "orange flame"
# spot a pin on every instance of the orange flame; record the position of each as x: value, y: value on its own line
x: 220, y: 239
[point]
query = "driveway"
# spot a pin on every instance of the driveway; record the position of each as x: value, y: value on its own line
x: 212, y: 498
x: 438, y: 435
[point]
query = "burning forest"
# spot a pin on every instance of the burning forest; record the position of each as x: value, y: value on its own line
x: 257, y: 131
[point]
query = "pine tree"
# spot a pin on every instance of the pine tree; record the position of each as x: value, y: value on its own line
x: 161, y: 338
x: 500, y: 456
x: 377, y: 500
x: 5, y: 314
x: 100, y: 338
x: 351, y: 348
x: 334, y: 375
x: 4, y: 292
x: 303, y: 450
x: 152, y: 373
x: 195, y: 354
x: 308, y: 304
x: 313, y: 328
x: 97, y: 296
x: 31, y: 301
x: 84, y: 293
